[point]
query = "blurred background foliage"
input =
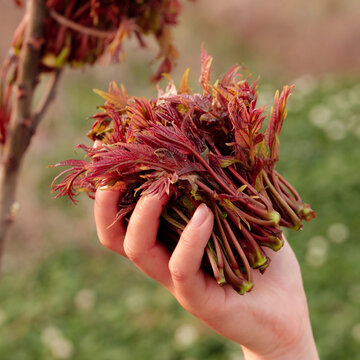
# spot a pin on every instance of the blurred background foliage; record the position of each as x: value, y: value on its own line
x: 63, y: 296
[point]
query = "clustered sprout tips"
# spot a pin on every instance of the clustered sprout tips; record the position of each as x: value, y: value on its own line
x: 80, y: 32
x: 197, y: 148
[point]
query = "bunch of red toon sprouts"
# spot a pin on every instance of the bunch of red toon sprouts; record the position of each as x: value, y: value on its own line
x: 197, y: 148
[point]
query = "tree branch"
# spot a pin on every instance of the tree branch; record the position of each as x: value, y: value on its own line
x: 22, y: 125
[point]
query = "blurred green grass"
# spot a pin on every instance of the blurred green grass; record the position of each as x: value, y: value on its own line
x: 65, y: 297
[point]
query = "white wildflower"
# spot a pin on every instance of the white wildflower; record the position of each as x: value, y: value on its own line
x: 185, y: 335
x: 85, y: 299
x: 305, y: 84
x: 54, y: 340
x: 338, y: 233
x: 317, y: 251
x: 320, y: 115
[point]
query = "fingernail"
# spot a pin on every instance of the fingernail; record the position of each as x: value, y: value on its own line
x: 200, y: 215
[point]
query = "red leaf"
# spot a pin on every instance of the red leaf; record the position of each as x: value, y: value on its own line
x: 206, y: 61
x: 277, y: 117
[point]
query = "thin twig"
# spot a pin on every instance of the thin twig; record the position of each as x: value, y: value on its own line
x: 47, y: 98
x: 81, y: 28
x: 20, y: 129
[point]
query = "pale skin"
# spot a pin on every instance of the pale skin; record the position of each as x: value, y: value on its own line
x: 270, y: 322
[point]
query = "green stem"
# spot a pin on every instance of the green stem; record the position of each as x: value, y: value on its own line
x: 288, y: 185
x: 257, y: 256
x: 283, y: 203
x: 225, y: 242
x: 219, y: 254
x: 274, y: 218
x: 216, y: 261
x: 271, y: 241
x: 220, y: 278
x: 217, y: 265
x: 238, y: 249
x: 180, y: 213
x: 238, y: 283
x: 270, y: 218
x: 283, y: 192
x: 261, y: 260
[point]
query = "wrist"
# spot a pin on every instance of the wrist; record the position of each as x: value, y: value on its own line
x: 304, y: 349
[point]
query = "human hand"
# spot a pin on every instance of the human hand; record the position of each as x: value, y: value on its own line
x: 270, y: 322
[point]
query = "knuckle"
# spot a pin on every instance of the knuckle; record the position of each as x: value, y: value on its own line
x: 111, y: 245
x: 177, y: 272
x: 133, y: 254
x: 104, y: 241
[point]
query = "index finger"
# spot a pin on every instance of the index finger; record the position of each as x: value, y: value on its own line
x: 141, y: 245
x: 111, y: 233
